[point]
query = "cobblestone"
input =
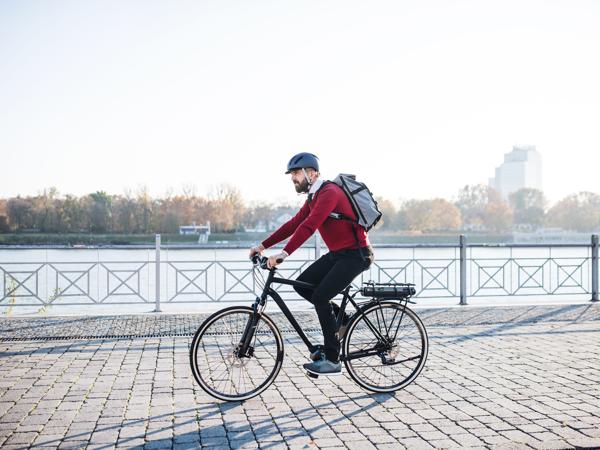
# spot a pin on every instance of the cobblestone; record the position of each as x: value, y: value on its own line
x: 489, y: 382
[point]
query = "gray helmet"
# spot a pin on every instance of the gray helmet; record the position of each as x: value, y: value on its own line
x: 302, y: 161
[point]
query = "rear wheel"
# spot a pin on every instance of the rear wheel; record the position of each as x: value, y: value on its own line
x: 217, y: 364
x: 388, y: 351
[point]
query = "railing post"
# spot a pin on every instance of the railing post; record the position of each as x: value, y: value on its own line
x: 317, y: 245
x: 157, y: 262
x: 594, y: 267
x: 463, y: 270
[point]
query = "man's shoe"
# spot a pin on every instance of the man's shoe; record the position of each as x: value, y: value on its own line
x: 317, y: 354
x: 324, y: 367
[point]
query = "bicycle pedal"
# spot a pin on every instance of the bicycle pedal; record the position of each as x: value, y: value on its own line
x: 312, y: 375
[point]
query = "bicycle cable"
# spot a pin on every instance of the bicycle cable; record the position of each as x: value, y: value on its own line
x: 259, y: 278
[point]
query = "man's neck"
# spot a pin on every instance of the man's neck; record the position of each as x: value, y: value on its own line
x: 317, y: 182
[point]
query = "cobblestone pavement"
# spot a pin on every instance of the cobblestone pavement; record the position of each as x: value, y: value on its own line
x: 533, y: 381
x: 147, y: 325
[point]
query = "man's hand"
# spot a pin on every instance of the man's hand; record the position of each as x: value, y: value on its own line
x: 277, y: 259
x: 257, y: 249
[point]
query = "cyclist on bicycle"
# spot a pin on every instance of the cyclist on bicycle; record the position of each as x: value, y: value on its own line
x: 349, y: 251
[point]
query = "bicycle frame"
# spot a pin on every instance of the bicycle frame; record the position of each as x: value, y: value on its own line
x: 260, y: 303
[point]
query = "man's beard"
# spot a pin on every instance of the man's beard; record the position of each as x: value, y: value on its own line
x: 302, y: 187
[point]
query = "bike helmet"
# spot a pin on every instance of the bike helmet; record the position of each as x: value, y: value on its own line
x: 302, y: 161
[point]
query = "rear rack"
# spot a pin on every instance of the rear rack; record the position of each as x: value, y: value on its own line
x: 388, y: 290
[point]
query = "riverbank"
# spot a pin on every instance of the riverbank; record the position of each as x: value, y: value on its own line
x: 241, y: 238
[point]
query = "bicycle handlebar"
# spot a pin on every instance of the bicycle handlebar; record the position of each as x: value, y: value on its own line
x: 261, y: 261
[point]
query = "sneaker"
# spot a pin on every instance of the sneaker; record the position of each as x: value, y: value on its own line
x: 317, y: 354
x: 324, y: 367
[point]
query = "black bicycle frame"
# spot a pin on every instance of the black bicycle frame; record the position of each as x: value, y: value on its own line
x: 268, y: 291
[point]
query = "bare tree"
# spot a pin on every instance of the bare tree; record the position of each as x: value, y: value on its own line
x: 388, y: 219
x: 482, y: 206
x: 21, y: 213
x: 430, y: 215
x: 529, y: 207
x: 579, y: 212
x: 100, y: 212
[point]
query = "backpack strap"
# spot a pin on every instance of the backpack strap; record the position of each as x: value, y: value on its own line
x: 354, y: 224
x: 312, y: 196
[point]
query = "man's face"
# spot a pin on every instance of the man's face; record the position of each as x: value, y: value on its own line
x: 299, y: 180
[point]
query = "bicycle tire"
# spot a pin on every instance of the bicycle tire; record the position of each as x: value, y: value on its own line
x: 370, y: 371
x: 212, y: 355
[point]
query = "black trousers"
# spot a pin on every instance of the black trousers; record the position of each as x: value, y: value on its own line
x: 331, y: 273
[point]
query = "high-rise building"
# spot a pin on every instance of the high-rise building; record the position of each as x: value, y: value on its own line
x: 522, y: 168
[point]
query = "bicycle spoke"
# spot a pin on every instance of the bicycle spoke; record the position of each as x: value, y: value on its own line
x: 224, y: 373
x: 392, y: 322
x: 396, y: 362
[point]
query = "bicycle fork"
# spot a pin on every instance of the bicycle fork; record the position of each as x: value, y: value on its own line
x: 244, y: 349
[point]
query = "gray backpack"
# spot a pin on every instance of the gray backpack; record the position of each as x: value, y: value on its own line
x: 361, y: 199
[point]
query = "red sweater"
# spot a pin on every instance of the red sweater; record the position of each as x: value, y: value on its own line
x: 337, y: 234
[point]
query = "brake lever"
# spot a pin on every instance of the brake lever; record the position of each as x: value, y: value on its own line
x: 264, y: 260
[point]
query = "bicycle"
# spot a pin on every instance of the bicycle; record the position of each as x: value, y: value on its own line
x: 237, y: 352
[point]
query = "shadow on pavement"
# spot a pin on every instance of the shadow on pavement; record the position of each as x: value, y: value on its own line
x: 527, y: 320
x: 221, y: 435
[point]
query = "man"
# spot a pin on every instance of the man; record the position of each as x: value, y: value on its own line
x: 349, y: 251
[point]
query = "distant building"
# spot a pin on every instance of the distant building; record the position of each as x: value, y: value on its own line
x: 203, y: 231
x: 522, y: 168
x: 548, y: 235
x: 259, y: 228
x: 279, y: 220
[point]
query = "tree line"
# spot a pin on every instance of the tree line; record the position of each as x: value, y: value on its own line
x: 475, y: 207
x: 482, y: 208
x: 136, y: 213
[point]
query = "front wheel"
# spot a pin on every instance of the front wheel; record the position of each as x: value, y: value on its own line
x: 386, y: 349
x: 217, y: 364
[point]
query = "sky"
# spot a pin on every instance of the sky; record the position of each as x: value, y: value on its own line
x: 417, y: 99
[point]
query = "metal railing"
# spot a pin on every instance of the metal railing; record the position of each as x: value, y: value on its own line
x: 170, y: 275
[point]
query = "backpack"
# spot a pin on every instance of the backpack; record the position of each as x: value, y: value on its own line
x: 361, y: 199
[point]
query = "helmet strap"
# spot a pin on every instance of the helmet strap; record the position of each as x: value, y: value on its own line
x: 310, y: 183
